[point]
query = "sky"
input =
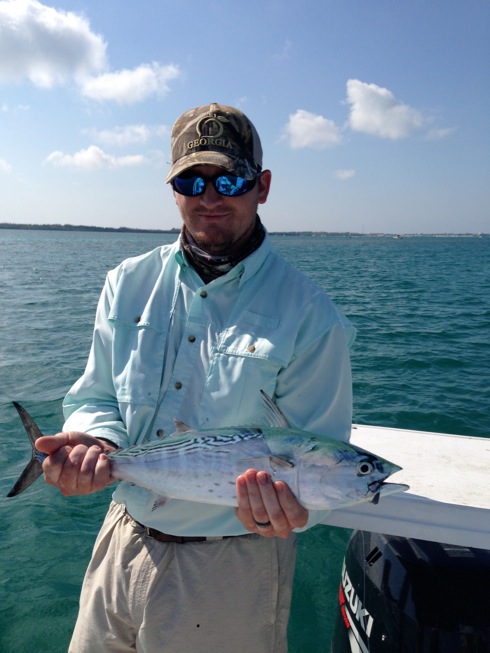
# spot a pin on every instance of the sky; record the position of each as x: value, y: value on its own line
x: 373, y: 114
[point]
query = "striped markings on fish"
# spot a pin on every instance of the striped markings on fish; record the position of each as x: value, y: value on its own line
x: 202, y: 465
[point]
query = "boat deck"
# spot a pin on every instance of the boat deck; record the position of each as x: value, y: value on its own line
x: 449, y: 496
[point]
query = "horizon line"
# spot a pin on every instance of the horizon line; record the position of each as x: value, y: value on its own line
x: 70, y: 227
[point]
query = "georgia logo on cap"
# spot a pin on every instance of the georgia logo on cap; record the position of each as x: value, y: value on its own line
x: 211, y: 125
x: 210, y: 130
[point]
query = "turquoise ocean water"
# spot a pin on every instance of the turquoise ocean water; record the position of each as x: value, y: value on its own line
x: 421, y: 361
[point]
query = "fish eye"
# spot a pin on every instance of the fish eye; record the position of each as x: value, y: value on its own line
x: 364, y: 468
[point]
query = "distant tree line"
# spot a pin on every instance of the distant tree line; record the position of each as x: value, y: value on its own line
x: 175, y: 230
x: 81, y: 227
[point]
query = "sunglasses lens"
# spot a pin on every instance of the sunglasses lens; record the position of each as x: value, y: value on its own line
x: 228, y: 185
x: 231, y: 185
x: 189, y: 186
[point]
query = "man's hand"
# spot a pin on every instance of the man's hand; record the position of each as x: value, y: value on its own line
x: 76, y: 462
x: 267, y: 508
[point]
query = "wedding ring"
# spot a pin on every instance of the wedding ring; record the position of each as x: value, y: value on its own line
x: 262, y: 524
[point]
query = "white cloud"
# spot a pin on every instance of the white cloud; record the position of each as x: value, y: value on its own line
x: 93, y: 158
x: 438, y: 134
x: 375, y: 110
x: 306, y: 129
x: 51, y: 47
x: 127, y: 135
x: 344, y: 175
x: 5, y: 167
x: 46, y: 45
x: 130, y: 86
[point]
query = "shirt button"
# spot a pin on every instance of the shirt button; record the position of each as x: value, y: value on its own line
x: 203, y: 294
x: 178, y: 385
x: 160, y: 433
x: 191, y: 338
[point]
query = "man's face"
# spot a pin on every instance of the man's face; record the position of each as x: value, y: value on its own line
x: 218, y: 223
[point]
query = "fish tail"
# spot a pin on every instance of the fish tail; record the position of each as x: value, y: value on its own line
x: 34, y: 468
x: 30, y: 474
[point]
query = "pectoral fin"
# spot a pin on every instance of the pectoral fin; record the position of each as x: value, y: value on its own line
x: 264, y: 462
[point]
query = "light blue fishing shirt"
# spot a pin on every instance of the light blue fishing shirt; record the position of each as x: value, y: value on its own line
x: 166, y: 346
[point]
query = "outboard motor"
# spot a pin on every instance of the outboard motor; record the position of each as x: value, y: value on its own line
x: 399, y: 595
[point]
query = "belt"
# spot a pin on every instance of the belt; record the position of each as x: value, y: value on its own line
x: 179, y: 539
x: 176, y: 539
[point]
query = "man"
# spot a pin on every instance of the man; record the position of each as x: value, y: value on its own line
x: 193, y: 331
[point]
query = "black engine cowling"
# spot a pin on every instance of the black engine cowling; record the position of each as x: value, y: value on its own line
x: 399, y: 595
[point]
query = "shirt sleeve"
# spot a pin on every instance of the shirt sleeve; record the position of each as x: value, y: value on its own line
x: 91, y: 404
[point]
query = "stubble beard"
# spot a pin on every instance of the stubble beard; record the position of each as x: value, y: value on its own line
x: 220, y: 242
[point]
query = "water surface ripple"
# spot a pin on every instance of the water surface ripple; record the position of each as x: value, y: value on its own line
x: 421, y: 361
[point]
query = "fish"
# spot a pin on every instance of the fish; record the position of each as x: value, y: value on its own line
x: 202, y: 465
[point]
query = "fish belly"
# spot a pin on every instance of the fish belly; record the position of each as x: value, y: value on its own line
x: 203, y: 476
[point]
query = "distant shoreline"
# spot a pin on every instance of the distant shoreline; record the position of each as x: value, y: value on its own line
x: 131, y: 230
x: 80, y: 227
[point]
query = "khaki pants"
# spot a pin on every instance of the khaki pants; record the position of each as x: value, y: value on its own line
x: 225, y: 596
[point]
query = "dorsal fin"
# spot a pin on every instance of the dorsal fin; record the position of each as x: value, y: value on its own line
x: 272, y: 412
x: 180, y: 427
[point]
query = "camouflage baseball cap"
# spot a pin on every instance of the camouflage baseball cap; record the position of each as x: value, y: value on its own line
x: 216, y: 135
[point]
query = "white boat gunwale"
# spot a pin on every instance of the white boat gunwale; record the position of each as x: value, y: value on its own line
x: 449, y: 496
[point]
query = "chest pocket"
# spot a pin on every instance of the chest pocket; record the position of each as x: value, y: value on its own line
x: 256, y: 337
x: 247, y: 359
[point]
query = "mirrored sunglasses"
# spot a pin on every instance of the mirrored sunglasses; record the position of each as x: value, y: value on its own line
x: 192, y: 184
